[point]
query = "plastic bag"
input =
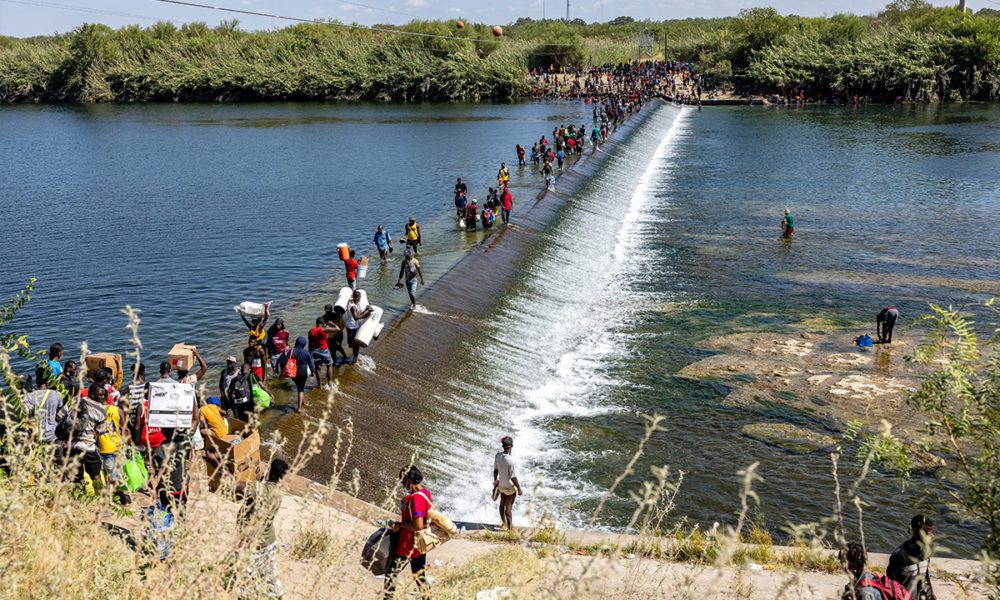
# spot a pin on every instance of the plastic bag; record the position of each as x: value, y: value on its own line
x: 251, y: 309
x: 261, y: 397
x: 136, y: 474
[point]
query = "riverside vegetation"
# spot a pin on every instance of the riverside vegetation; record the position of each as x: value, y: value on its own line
x: 908, y: 51
x: 57, y: 535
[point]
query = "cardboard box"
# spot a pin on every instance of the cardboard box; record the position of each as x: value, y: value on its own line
x: 247, y: 470
x: 181, y: 357
x: 170, y: 404
x: 111, y: 362
x: 246, y: 450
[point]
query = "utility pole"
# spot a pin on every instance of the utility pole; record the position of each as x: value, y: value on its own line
x: 567, y: 11
x: 962, y: 6
x: 543, y: 10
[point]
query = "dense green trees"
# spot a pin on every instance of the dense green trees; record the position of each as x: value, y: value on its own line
x: 910, y: 50
x: 307, y: 61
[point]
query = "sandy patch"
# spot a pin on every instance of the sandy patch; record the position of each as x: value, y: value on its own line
x: 783, y: 347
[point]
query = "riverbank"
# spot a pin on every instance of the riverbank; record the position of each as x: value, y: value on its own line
x: 320, y: 533
x: 918, y: 53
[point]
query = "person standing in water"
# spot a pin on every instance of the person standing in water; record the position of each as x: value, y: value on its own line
x: 471, y: 211
x: 788, y: 225
x: 352, y: 322
x: 885, y: 321
x: 319, y: 347
x: 334, y: 315
x: 503, y: 175
x: 506, y: 204
x: 383, y: 242
x: 304, y: 366
x: 505, y: 482
x: 413, y: 233
x: 351, y: 265
x: 256, y: 325
x: 411, y: 269
x: 520, y: 155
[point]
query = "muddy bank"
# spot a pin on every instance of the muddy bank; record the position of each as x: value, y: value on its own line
x: 389, y: 412
x: 824, y: 377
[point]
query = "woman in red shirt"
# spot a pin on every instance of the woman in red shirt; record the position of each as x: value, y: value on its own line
x: 412, y: 518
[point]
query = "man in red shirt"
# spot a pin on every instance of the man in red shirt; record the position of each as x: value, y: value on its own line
x: 506, y: 203
x: 319, y: 347
x: 413, y: 517
x: 352, y: 271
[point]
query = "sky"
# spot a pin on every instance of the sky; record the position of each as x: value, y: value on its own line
x: 22, y: 18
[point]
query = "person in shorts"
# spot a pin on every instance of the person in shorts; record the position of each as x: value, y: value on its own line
x: 505, y: 483
x: 319, y: 347
x: 353, y: 318
x: 411, y: 270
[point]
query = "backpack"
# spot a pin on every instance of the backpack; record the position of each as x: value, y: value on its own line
x: 376, y: 556
x: 890, y: 590
x: 865, y: 341
x: 64, y: 423
x: 238, y: 389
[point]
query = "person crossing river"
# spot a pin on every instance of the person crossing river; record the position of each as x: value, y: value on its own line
x: 503, y: 175
x: 412, y: 238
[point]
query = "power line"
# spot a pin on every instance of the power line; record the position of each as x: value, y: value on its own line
x: 98, y: 11
x: 240, y: 11
x: 83, y: 9
x: 389, y: 10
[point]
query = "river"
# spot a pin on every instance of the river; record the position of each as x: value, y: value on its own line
x: 185, y: 210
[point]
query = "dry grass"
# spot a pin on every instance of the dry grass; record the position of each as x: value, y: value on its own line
x: 58, y: 541
x: 515, y: 570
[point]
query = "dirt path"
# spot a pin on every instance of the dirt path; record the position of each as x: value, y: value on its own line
x: 469, y: 565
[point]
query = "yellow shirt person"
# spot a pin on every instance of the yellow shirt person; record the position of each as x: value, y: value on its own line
x: 212, y: 414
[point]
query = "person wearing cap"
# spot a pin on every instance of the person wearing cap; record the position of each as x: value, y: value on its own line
x: 411, y: 269
x: 226, y: 377
x: 412, y: 238
x: 240, y: 394
x: 212, y: 420
x: 909, y: 564
x: 505, y: 483
x: 788, y: 225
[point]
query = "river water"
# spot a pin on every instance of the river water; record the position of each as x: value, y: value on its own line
x: 183, y: 211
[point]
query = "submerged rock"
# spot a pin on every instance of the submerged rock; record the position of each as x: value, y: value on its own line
x: 788, y: 437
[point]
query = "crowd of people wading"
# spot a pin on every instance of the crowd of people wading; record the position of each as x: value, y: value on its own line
x: 100, y: 426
